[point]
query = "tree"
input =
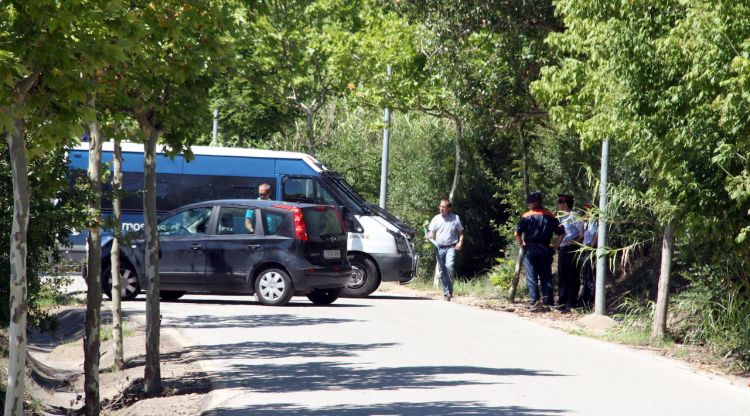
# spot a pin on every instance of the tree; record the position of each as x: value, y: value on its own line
x: 92, y: 340
x: 32, y: 75
x: 625, y: 73
x: 165, y: 89
x: 293, y: 56
x: 119, y: 361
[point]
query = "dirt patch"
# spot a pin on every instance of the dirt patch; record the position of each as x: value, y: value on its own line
x: 57, y: 373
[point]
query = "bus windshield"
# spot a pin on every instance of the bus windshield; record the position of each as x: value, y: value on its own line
x: 358, y: 204
x: 349, y: 197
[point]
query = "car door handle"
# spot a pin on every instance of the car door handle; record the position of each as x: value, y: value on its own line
x: 253, y: 246
x: 196, y: 246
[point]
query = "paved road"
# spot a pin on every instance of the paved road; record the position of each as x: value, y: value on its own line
x: 400, y: 355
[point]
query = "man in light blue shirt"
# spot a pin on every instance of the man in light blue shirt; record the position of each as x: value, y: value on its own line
x: 568, y: 279
x: 448, y: 233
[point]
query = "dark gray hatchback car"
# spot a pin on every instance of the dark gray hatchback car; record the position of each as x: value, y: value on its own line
x: 272, y: 249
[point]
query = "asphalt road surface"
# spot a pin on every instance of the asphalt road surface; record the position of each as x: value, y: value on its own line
x: 400, y: 355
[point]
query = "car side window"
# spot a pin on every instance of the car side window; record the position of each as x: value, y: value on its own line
x: 186, y: 223
x: 277, y: 223
x: 236, y: 221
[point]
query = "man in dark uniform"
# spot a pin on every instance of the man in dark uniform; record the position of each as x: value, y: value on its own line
x: 534, y: 234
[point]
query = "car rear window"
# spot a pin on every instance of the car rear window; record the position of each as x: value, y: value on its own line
x: 322, y: 222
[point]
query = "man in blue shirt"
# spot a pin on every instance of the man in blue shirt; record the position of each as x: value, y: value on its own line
x: 448, y: 233
x: 534, y: 234
x: 264, y: 192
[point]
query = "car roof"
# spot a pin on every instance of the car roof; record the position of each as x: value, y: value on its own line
x: 250, y: 202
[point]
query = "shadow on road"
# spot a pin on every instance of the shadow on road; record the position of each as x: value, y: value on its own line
x: 272, y: 350
x: 66, y: 326
x: 318, y: 376
x: 398, y: 297
x: 412, y: 409
x: 248, y: 321
x: 295, y: 303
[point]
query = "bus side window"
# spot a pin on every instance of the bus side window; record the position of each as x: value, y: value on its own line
x: 299, y: 190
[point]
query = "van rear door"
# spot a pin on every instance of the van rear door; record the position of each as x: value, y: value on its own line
x: 326, y: 235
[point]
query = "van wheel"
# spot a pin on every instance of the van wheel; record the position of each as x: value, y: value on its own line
x: 170, y: 295
x: 274, y: 287
x: 364, y: 280
x: 324, y: 296
x: 128, y: 283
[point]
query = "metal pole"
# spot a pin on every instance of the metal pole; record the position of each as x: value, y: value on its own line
x: 215, y: 139
x: 601, y: 255
x: 384, y: 158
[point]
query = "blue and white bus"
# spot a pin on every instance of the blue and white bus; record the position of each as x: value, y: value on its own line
x: 379, y: 247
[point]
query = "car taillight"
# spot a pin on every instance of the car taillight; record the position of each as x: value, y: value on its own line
x: 300, y: 231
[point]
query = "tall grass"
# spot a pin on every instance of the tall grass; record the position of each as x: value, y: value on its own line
x: 718, y: 321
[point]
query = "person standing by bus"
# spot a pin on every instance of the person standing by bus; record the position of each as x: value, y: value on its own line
x: 534, y: 234
x: 448, y: 233
x: 264, y: 193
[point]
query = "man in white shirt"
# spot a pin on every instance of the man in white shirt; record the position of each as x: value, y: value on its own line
x: 588, y: 257
x: 568, y: 279
x: 448, y: 233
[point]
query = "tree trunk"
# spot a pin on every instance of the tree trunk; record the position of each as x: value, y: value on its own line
x: 659, y: 325
x: 14, y: 393
x: 459, y: 133
x: 152, y: 373
x: 92, y: 338
x: 119, y: 363
x: 525, y: 159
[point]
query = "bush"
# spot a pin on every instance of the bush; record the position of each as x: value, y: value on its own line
x: 55, y: 211
x: 716, y: 319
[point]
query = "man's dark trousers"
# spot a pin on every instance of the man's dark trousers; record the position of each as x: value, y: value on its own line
x: 588, y: 288
x: 567, y: 277
x: 538, y: 265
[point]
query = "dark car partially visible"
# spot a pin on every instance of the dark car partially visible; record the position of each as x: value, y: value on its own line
x: 272, y: 249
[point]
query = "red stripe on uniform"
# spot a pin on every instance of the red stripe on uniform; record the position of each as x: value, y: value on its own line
x: 542, y: 212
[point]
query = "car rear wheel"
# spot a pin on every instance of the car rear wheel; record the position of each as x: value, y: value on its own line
x: 324, y: 296
x: 364, y: 280
x: 274, y: 287
x: 170, y: 295
x: 128, y: 283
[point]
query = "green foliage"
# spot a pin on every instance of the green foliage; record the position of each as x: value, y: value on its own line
x: 664, y: 82
x: 712, y: 313
x: 502, y: 273
x: 55, y: 213
x: 421, y: 160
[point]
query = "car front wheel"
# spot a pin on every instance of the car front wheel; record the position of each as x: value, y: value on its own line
x: 274, y: 287
x: 128, y: 283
